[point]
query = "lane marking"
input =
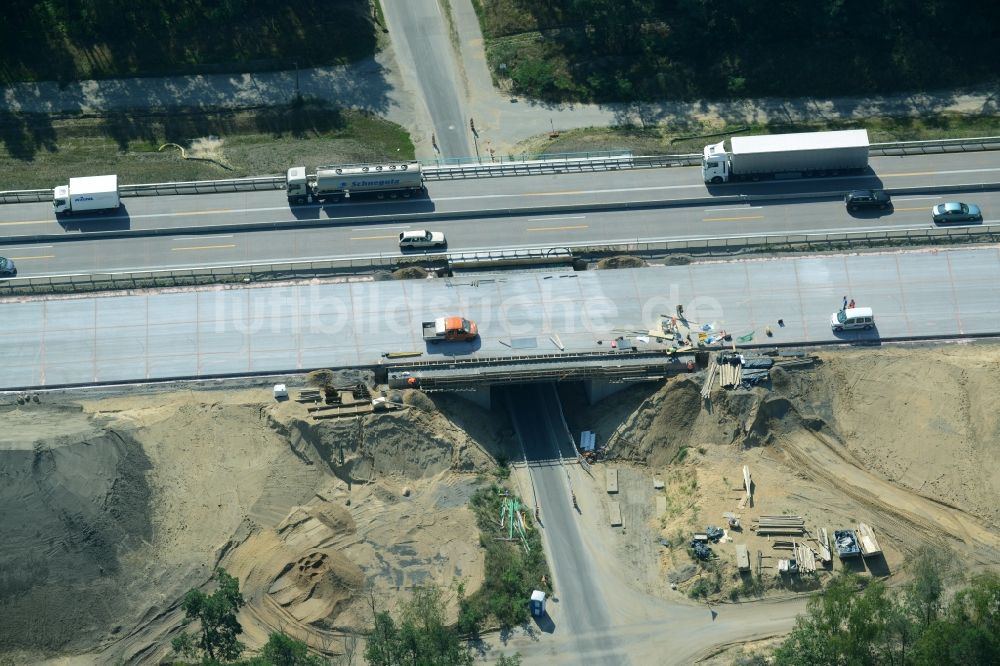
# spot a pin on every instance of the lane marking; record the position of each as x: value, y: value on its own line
x: 203, y: 247
x: 380, y: 227
x: 20, y: 248
x: 553, y: 219
x: 731, y: 208
x: 373, y: 237
x: 206, y: 212
x: 39, y: 256
x: 732, y: 219
x: 578, y: 226
x: 916, y: 198
x: 11, y: 224
x: 899, y: 210
x: 184, y: 238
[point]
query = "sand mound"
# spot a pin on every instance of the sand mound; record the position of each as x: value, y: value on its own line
x: 74, y: 506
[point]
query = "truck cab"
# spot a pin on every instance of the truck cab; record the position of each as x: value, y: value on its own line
x: 715, y: 163
x: 60, y: 199
x: 297, y: 185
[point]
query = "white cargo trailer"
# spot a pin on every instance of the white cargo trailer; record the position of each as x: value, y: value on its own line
x: 770, y: 155
x: 89, y: 194
x: 333, y: 183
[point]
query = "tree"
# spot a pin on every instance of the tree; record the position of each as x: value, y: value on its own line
x: 216, y: 614
x: 282, y: 650
x: 420, y: 639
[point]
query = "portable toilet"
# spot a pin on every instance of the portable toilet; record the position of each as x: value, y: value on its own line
x: 537, y: 603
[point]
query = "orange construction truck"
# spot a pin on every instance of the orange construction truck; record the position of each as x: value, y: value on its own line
x: 452, y: 329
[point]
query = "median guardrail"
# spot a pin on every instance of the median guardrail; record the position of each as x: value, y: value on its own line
x: 649, y: 249
x: 445, y: 170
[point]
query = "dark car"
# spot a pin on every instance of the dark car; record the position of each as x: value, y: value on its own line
x: 7, y: 267
x: 956, y: 212
x: 859, y: 199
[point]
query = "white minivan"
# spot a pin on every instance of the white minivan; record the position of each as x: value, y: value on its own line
x: 852, y: 319
x: 421, y: 238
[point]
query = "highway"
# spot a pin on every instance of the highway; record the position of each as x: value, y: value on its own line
x: 376, y: 233
x: 457, y: 196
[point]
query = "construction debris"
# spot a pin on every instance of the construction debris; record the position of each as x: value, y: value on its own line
x: 847, y: 543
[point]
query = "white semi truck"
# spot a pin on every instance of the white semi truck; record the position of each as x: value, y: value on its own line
x: 333, y: 183
x: 770, y: 155
x: 87, y: 195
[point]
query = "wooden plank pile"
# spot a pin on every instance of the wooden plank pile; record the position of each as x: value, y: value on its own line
x: 806, y: 558
x: 713, y: 366
x: 780, y: 525
x: 748, y: 487
x: 730, y: 374
x: 824, y: 546
x: 866, y: 541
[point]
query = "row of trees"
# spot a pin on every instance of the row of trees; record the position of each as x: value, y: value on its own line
x: 419, y: 637
x: 854, y: 623
x: 68, y: 39
x: 617, y: 50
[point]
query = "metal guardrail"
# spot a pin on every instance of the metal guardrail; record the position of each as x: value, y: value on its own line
x: 653, y: 248
x: 444, y: 170
x: 937, y: 146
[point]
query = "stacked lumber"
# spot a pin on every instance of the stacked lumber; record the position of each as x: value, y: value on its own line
x: 730, y: 375
x: 713, y: 366
x: 866, y: 540
x: 780, y: 525
x: 805, y: 557
x: 824, y: 546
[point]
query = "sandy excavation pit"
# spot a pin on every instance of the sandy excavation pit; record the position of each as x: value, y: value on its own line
x: 113, y: 507
x: 131, y: 501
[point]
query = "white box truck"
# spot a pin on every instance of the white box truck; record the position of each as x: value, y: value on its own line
x: 770, y: 155
x: 333, y: 183
x: 90, y: 194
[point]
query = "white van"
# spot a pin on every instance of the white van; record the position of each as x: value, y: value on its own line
x: 852, y: 319
x: 421, y: 238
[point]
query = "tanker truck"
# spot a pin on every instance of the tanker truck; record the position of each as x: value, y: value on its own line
x: 786, y: 155
x: 86, y: 195
x: 333, y: 183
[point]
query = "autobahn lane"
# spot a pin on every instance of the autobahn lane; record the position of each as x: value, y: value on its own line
x: 448, y: 197
x: 476, y: 234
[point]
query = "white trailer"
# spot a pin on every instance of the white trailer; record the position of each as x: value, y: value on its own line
x: 770, y: 155
x: 333, y: 183
x: 89, y: 194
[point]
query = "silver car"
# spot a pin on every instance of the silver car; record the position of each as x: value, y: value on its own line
x: 7, y: 267
x: 955, y: 211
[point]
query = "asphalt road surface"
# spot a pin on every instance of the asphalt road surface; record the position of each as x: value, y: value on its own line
x: 427, y: 62
x: 591, y: 188
x: 595, y: 617
x: 376, y: 234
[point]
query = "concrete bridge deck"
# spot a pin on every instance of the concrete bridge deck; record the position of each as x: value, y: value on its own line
x: 283, y: 328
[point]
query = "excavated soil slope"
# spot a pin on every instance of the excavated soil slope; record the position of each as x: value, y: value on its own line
x: 112, y: 509
x: 905, y: 439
